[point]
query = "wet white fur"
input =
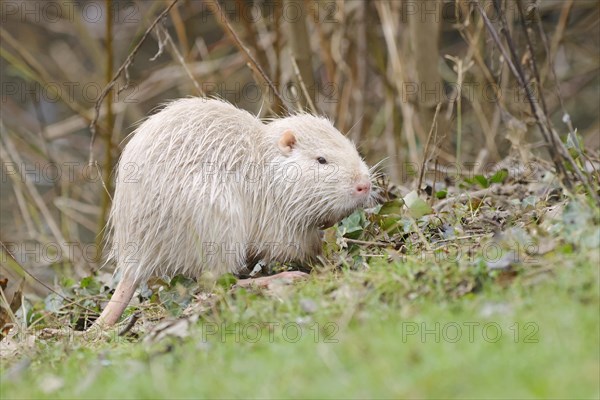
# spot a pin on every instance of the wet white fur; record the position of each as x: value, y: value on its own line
x: 202, y: 187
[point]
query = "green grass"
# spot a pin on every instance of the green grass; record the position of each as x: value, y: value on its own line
x: 537, y: 340
x: 378, y: 324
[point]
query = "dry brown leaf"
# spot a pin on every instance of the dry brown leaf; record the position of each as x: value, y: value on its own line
x: 15, y: 303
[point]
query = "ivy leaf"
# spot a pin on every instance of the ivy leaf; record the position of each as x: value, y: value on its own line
x: 352, y: 226
x: 393, y: 207
x: 417, y: 207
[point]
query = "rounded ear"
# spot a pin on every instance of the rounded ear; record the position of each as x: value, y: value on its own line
x: 287, y: 142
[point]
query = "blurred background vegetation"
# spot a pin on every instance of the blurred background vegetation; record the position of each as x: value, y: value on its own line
x: 378, y: 69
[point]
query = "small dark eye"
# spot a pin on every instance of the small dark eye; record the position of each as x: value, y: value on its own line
x: 321, y: 160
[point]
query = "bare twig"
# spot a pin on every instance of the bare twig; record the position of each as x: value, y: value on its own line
x: 398, y: 75
x: 556, y: 147
x: 108, y: 152
x: 426, y: 151
x: 224, y: 21
x: 252, y: 34
x: 536, y: 74
x: 277, y: 41
x: 532, y: 57
x: 460, y: 68
x: 120, y: 71
x: 134, y: 318
x: 368, y: 243
x: 559, y: 33
x: 309, y: 100
x: 433, y: 192
x: 8, y: 306
x: 360, y: 77
x: 517, y: 72
x: 181, y: 35
x: 183, y: 63
x: 566, y: 117
x: 299, y: 43
x: 551, y: 62
x: 419, y: 232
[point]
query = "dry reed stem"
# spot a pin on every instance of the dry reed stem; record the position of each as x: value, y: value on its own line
x: 307, y: 96
x: 557, y: 149
x: 181, y: 35
x: 12, y: 154
x: 252, y: 35
x: 252, y: 63
x: 550, y: 56
x: 182, y: 61
x: 108, y: 152
x: 388, y: 132
x: 518, y: 74
x: 299, y: 43
x: 558, y: 34
x: 324, y: 46
x: 278, y: 42
x: 426, y: 150
x: 388, y: 26
x: 360, y: 89
x: 40, y: 282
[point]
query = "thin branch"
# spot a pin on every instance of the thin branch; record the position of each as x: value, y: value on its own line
x: 551, y: 64
x: 536, y: 75
x: 534, y: 67
x: 252, y: 35
x: 426, y: 151
x: 183, y: 63
x: 513, y: 67
x: 123, y: 68
x: 302, y: 85
x: 566, y: 117
x: 299, y: 43
x: 224, y: 21
x: 108, y: 151
x: 134, y: 318
x: 518, y: 74
x: 557, y: 149
x: 368, y: 243
x: 397, y: 75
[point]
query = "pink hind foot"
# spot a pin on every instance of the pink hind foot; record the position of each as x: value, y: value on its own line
x: 118, y: 302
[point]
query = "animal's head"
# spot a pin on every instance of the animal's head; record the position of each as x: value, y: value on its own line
x: 328, y: 179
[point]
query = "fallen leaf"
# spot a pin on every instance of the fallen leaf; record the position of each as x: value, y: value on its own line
x: 15, y: 303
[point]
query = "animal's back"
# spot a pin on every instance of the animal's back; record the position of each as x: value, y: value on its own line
x: 176, y: 206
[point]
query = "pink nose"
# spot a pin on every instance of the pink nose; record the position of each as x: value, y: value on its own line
x: 363, y: 188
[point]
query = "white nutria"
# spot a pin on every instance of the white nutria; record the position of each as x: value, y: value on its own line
x: 204, y: 187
